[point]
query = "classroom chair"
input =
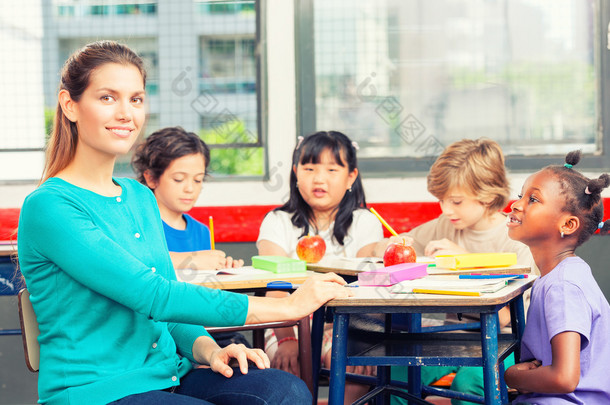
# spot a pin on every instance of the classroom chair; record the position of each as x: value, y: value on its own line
x: 10, y: 284
x: 29, y: 331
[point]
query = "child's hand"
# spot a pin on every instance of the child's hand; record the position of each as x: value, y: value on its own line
x: 214, y: 260
x: 201, y: 260
x: 382, y: 245
x: 220, y: 359
x: 528, y: 365
x: 443, y: 247
x: 512, y: 372
x: 233, y: 263
x: 287, y: 357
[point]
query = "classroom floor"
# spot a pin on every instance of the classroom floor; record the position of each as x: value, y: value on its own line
x: 432, y: 400
x: 323, y: 398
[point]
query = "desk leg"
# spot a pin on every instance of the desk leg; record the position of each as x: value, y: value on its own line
x: 317, y: 331
x: 517, y: 315
x: 414, y: 372
x: 383, y: 379
x: 305, y: 357
x: 489, y: 346
x: 338, y: 361
x: 503, y: 388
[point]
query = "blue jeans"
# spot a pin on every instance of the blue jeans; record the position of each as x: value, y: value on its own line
x: 203, y: 386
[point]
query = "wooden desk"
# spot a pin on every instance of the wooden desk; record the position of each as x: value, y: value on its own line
x: 391, y: 348
x: 249, y: 282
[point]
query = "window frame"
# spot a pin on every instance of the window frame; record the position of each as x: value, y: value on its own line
x: 414, y: 167
x: 252, y: 144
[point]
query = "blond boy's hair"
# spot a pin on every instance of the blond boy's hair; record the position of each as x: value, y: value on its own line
x: 476, y: 167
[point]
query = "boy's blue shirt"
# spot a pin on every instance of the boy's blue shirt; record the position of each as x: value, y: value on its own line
x: 195, y: 237
x: 111, y: 314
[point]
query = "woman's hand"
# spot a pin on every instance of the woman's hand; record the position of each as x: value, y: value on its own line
x: 443, y: 247
x: 382, y: 245
x: 287, y: 357
x: 220, y: 359
x: 317, y: 291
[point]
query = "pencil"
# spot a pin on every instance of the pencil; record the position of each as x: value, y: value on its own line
x: 383, y: 222
x: 446, y: 292
x: 211, y: 232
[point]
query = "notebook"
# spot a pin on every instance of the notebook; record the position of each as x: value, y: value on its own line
x: 279, y: 264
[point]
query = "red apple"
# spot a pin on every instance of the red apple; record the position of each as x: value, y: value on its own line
x: 311, y: 248
x: 397, y: 253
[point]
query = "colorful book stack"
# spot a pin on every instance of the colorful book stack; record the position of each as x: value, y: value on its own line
x: 279, y: 264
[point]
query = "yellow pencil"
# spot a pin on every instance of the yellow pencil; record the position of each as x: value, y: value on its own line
x: 446, y: 292
x: 212, y: 232
x: 383, y: 222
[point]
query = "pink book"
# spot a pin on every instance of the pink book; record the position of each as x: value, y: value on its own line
x: 393, y: 274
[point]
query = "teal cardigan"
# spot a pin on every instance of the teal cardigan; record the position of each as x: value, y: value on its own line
x: 113, y: 319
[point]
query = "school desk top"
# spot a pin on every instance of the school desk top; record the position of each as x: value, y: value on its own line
x: 250, y: 281
x: 354, y: 266
x: 383, y: 296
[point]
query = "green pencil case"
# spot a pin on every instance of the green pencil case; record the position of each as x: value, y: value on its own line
x: 279, y: 264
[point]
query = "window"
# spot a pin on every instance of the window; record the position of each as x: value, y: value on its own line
x: 229, y: 107
x: 201, y: 58
x: 404, y: 78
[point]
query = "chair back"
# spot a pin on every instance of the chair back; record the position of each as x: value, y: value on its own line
x: 29, y: 331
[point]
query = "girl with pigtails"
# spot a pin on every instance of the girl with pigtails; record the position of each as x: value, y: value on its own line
x: 326, y: 199
x: 564, y: 351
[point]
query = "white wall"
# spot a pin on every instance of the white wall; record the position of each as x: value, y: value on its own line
x: 22, y: 116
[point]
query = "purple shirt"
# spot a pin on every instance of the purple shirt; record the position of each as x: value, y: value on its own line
x: 569, y: 299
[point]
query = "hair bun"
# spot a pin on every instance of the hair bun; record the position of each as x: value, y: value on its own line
x: 595, y: 186
x: 572, y: 158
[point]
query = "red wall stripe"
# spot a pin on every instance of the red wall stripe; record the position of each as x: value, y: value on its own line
x: 241, y: 223
x: 9, y: 218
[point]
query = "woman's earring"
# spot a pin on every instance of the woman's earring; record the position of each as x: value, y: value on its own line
x: 349, y: 189
x: 562, y: 234
x: 297, y: 184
